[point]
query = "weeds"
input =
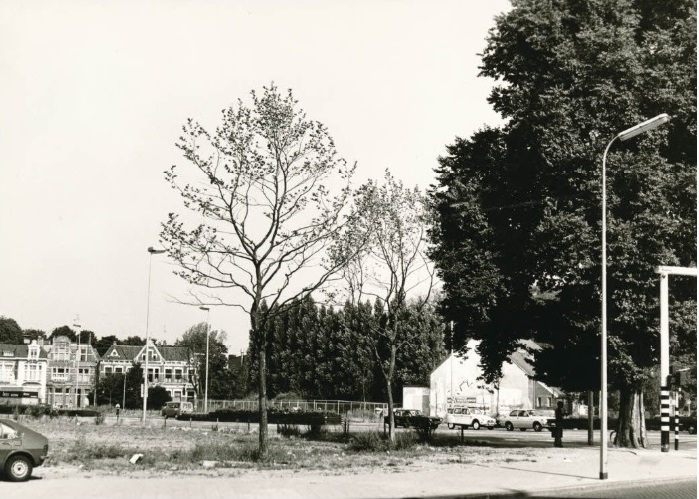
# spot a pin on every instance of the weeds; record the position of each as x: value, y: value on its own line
x: 376, y: 442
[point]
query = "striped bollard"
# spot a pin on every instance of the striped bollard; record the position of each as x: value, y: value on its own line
x: 664, y: 419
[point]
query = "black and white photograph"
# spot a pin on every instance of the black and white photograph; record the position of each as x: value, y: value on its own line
x: 348, y: 249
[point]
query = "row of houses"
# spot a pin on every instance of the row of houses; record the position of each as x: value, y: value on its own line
x: 63, y: 373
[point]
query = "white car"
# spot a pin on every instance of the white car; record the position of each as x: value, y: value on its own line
x: 526, y: 419
x: 465, y: 417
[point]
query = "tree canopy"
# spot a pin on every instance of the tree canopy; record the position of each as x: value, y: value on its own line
x: 265, y: 194
x: 517, y: 239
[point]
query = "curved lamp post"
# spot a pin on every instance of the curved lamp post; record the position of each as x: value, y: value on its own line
x: 206, y: 379
x: 151, y: 251
x: 625, y: 135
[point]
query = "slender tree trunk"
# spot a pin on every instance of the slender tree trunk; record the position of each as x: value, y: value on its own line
x: 389, y: 377
x: 263, y: 399
x: 631, y: 426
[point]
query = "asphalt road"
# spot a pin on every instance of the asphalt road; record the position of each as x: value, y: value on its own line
x: 680, y: 489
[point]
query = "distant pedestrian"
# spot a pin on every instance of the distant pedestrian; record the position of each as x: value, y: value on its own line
x: 558, y: 430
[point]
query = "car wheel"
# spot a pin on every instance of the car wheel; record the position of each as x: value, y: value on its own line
x: 450, y: 426
x: 537, y: 426
x: 509, y: 426
x: 18, y: 468
x: 476, y: 425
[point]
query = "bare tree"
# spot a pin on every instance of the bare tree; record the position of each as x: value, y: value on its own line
x: 268, y: 195
x: 390, y: 267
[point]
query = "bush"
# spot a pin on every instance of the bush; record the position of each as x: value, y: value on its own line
x: 373, y: 441
x: 287, y: 430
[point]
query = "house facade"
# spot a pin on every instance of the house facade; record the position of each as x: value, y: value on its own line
x: 456, y: 383
x: 72, y: 371
x: 23, y: 370
x: 168, y: 366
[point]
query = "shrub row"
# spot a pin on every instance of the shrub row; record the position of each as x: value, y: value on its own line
x: 274, y: 417
x: 38, y: 410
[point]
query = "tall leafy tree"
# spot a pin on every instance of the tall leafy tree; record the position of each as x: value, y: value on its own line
x: 34, y: 334
x: 10, y: 332
x: 194, y: 339
x: 519, y: 207
x: 392, y: 266
x: 267, y: 194
x: 64, y: 331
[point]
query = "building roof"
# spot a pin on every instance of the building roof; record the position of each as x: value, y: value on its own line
x: 521, y: 357
x: 132, y: 352
x: 21, y: 351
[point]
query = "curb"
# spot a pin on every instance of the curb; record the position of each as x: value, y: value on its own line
x: 606, y: 486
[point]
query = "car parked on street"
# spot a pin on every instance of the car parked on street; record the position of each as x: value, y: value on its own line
x: 414, y: 418
x: 525, y: 419
x: 689, y: 423
x: 176, y: 408
x: 21, y: 450
x: 464, y: 417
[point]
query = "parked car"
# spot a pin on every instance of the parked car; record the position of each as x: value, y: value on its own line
x: 21, y: 450
x: 414, y: 418
x: 689, y: 423
x: 465, y: 417
x: 176, y: 408
x: 525, y: 419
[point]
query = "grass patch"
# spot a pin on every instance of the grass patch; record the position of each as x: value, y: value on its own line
x: 373, y: 441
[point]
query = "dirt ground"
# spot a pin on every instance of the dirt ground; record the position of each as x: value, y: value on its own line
x: 88, y: 449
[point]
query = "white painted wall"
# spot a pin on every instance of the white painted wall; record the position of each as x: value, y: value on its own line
x: 456, y: 381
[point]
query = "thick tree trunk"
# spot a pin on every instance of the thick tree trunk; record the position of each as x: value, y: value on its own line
x: 631, y: 426
x: 590, y: 417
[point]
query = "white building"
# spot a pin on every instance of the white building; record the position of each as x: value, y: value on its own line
x: 455, y: 383
x: 23, y: 371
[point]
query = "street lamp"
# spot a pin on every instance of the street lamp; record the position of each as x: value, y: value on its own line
x: 76, y: 366
x: 151, y: 251
x: 206, y: 378
x: 625, y: 135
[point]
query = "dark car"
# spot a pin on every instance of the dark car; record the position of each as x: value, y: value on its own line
x: 414, y: 418
x: 689, y: 423
x: 21, y: 449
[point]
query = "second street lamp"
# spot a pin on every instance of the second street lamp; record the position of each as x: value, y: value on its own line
x: 206, y: 378
x: 625, y: 135
x: 151, y: 251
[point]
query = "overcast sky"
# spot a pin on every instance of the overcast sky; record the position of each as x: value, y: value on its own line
x: 93, y: 95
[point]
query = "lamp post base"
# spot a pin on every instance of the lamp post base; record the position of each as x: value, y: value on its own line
x: 665, y: 448
x: 603, y: 476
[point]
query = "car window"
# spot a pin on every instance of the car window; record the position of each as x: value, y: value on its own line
x: 522, y: 413
x: 7, y: 432
x: 514, y: 413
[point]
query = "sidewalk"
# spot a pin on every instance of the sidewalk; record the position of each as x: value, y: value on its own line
x: 568, y: 468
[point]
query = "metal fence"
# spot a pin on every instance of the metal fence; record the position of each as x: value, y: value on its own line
x: 340, y: 406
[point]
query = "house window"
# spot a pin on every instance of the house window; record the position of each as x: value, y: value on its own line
x: 61, y: 352
x: 118, y: 370
x: 107, y: 370
x: 548, y: 401
x: 539, y: 402
x: 168, y: 375
x: 7, y: 372
x: 33, y: 352
x: 31, y: 372
x: 178, y: 374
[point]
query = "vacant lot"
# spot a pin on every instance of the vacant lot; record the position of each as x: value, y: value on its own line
x: 86, y: 447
